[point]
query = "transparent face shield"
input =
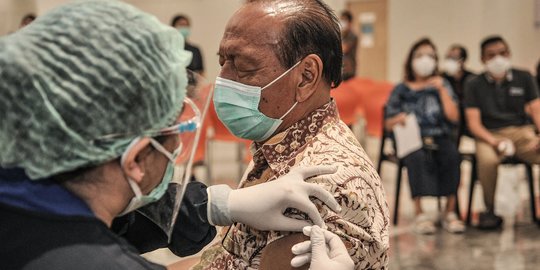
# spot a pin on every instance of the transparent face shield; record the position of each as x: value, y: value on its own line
x: 188, y: 129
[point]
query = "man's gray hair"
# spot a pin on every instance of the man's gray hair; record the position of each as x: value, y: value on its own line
x: 313, y: 29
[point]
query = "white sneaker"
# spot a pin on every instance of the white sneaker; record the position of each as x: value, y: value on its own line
x: 452, y: 224
x: 424, y: 225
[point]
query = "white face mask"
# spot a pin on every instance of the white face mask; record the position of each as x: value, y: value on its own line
x: 424, y: 65
x: 498, y: 66
x: 451, y: 66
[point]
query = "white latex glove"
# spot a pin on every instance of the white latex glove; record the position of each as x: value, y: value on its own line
x: 323, y: 251
x: 262, y: 206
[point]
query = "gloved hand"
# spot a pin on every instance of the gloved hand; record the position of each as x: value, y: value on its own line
x: 323, y: 251
x: 262, y: 206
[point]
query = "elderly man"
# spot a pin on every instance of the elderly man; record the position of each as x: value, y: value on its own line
x: 499, y: 106
x: 274, y: 88
x: 93, y: 121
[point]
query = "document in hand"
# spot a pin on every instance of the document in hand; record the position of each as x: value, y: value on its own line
x: 408, y: 137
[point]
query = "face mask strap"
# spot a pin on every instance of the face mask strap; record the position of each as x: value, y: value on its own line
x: 195, y: 109
x: 134, y: 187
x: 292, y: 107
x: 162, y: 149
x: 281, y: 76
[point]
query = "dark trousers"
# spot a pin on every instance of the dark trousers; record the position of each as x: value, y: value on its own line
x: 434, y: 172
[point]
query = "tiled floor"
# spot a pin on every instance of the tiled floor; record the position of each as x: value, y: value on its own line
x: 516, y: 246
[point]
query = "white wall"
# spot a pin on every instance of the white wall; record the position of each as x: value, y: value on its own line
x: 446, y: 22
x: 462, y: 21
x: 11, y: 13
x: 208, y: 19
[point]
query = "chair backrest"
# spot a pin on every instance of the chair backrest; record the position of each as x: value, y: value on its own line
x: 374, y: 103
x: 386, y: 134
x: 347, y: 101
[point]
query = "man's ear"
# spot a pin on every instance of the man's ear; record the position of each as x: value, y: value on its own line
x: 133, y: 162
x: 311, y: 71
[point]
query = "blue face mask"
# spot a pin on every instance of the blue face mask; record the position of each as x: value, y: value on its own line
x: 237, y: 106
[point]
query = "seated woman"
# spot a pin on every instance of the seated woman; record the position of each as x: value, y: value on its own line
x: 433, y: 170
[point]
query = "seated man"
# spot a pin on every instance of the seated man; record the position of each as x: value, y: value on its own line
x: 274, y: 89
x: 496, y: 103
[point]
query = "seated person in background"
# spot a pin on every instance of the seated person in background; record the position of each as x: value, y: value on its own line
x: 456, y: 74
x: 435, y: 169
x: 349, y: 44
x: 182, y: 23
x: 27, y: 19
x: 495, y: 104
x: 274, y: 88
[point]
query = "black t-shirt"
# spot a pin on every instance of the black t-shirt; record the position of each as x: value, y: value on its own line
x: 458, y: 86
x: 197, y: 61
x: 30, y: 240
x: 501, y: 104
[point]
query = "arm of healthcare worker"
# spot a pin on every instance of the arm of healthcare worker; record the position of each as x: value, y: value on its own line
x: 260, y: 206
x: 191, y: 232
x: 324, y: 250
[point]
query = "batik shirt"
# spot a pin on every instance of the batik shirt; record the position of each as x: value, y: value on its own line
x: 319, y: 139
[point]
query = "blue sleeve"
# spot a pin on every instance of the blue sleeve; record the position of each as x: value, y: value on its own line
x: 450, y: 90
x: 394, y: 104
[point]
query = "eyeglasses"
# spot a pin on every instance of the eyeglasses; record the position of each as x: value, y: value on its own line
x: 191, y: 112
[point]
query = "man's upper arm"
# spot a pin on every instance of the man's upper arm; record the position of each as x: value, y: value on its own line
x: 278, y: 255
x: 473, y: 117
x: 534, y: 107
x: 363, y: 222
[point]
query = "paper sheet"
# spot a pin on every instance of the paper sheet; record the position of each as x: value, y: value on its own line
x: 408, y: 137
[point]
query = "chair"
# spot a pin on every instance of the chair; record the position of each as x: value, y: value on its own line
x: 347, y: 100
x: 350, y: 107
x: 507, y: 161
x: 394, y: 159
x: 374, y: 96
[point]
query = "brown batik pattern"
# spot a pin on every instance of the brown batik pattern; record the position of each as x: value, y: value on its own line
x: 319, y: 139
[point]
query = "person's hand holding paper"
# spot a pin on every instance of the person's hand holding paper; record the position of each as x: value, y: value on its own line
x: 408, y: 138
